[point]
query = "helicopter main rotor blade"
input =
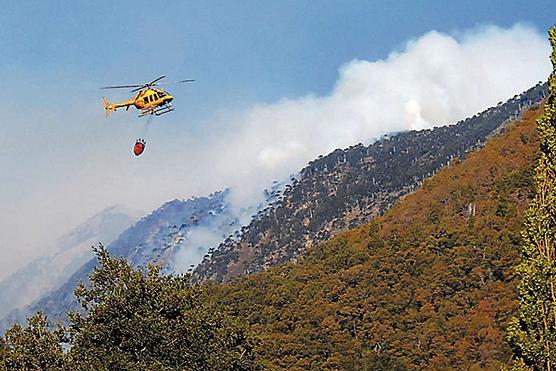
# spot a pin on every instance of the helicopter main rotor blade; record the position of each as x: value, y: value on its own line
x: 140, y: 87
x: 147, y: 85
x: 173, y: 82
x: 120, y: 87
x: 155, y: 80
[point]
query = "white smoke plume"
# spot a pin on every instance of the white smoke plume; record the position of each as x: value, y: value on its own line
x: 435, y: 80
x: 196, y: 245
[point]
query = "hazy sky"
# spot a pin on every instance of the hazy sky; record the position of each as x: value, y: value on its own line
x: 276, y: 84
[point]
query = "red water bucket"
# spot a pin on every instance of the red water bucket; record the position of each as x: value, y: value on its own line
x: 139, y: 147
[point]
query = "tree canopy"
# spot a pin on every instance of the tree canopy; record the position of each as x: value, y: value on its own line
x: 134, y: 320
x: 533, y: 331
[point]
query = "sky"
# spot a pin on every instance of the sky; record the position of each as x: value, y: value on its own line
x: 277, y: 84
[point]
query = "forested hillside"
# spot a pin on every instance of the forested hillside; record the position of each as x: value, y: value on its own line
x: 349, y: 187
x: 429, y: 285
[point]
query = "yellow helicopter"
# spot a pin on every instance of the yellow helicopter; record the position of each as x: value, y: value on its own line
x: 148, y: 101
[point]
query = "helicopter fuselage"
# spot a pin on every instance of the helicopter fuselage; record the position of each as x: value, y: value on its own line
x: 151, y: 98
x: 148, y: 102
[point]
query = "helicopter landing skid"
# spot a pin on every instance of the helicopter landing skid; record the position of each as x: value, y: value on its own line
x: 158, y: 111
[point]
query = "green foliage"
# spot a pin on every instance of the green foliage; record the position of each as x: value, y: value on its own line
x: 138, y: 321
x: 533, y: 332
x: 33, y: 347
x: 134, y: 320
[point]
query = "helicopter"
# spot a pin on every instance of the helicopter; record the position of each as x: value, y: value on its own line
x: 148, y: 100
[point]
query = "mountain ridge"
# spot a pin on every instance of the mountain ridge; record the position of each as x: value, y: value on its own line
x: 349, y: 187
x: 155, y: 238
x: 70, y: 252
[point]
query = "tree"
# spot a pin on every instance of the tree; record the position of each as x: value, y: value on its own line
x: 137, y: 320
x: 533, y: 332
x: 131, y: 319
x: 32, y: 347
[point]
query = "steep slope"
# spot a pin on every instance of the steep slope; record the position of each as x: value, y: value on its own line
x: 429, y: 285
x: 68, y: 254
x: 349, y: 187
x: 164, y: 236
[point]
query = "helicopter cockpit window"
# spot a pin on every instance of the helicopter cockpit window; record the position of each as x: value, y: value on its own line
x: 146, y: 99
x: 161, y: 94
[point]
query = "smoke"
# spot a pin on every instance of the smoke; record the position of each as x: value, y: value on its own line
x: 210, y: 233
x: 434, y: 79
x: 197, y: 243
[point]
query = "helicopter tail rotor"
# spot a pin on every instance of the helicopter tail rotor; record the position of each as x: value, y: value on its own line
x: 108, y: 107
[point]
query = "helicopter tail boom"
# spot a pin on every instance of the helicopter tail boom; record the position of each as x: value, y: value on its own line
x: 113, y: 106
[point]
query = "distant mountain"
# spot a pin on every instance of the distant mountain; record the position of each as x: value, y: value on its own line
x: 349, y: 187
x: 68, y: 254
x: 176, y: 236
